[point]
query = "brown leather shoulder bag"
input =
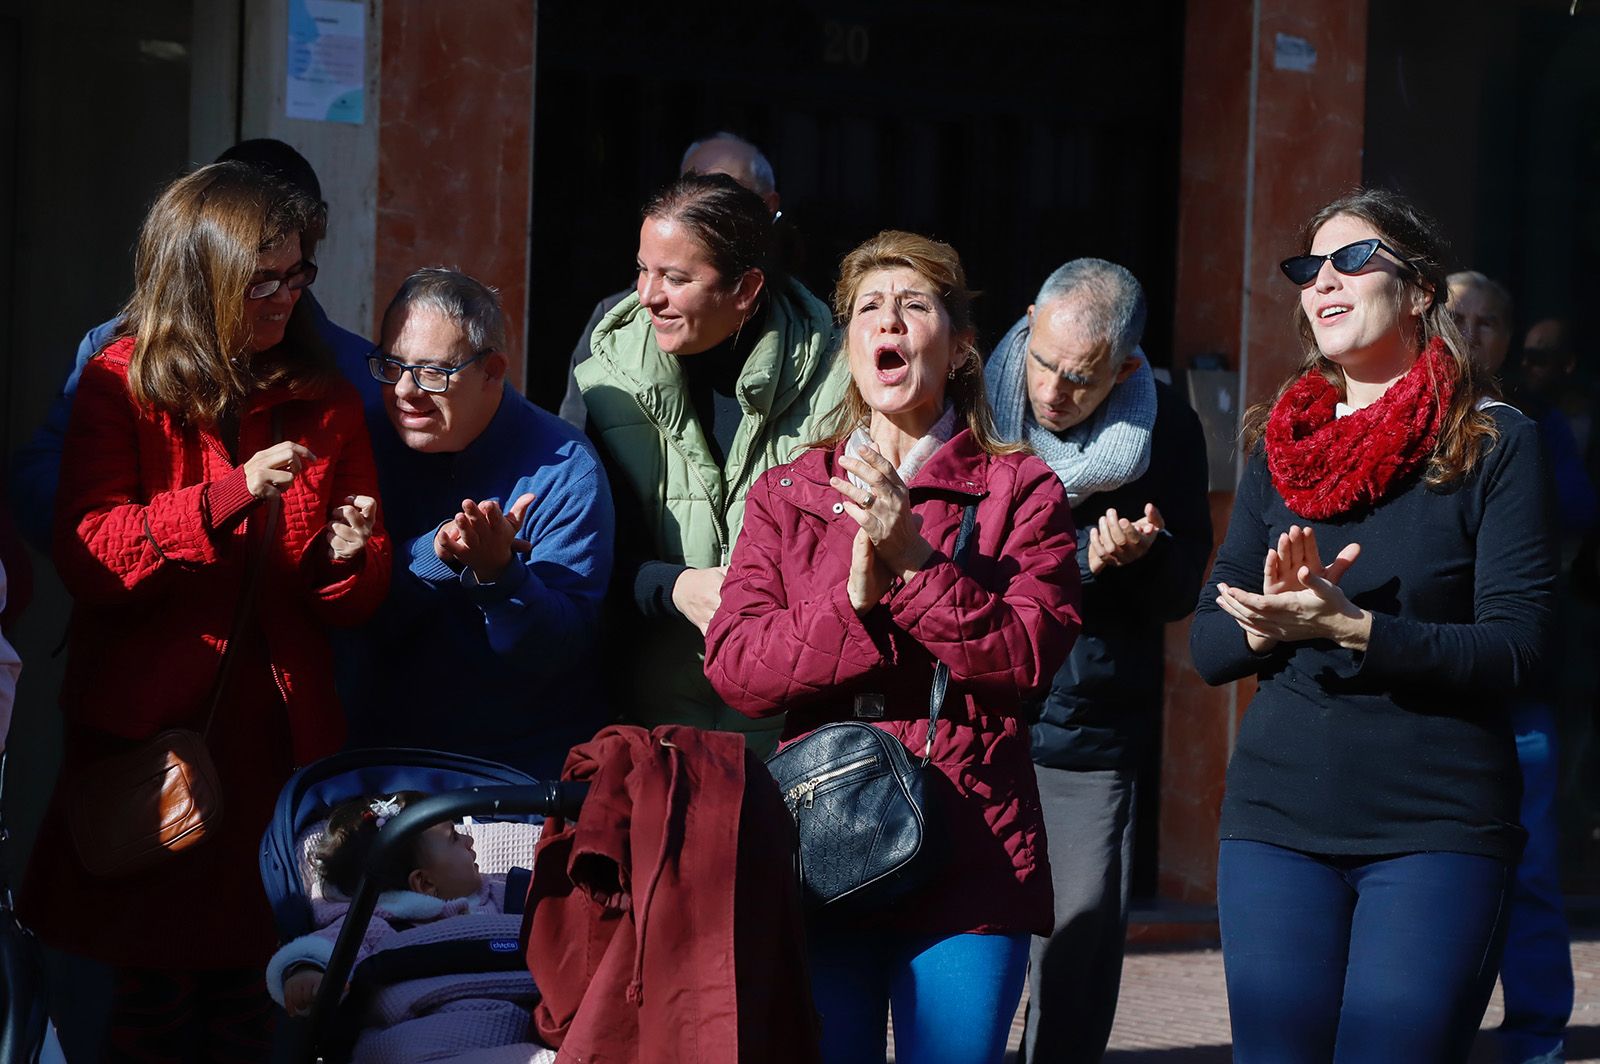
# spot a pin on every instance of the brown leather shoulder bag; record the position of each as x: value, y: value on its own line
x: 132, y: 811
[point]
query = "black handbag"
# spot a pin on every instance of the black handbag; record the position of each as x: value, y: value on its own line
x: 860, y: 805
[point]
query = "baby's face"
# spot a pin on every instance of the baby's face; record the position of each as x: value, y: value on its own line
x: 448, y: 864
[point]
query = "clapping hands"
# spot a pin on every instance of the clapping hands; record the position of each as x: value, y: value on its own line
x: 1115, y: 540
x: 890, y: 541
x: 484, y: 538
x: 1301, y: 598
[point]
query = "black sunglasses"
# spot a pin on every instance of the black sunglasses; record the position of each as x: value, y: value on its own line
x: 1303, y: 269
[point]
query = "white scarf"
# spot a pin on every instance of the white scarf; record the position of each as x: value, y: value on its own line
x: 915, y: 458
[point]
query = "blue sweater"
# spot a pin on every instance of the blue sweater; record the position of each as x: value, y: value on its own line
x: 507, y: 670
x: 1407, y: 747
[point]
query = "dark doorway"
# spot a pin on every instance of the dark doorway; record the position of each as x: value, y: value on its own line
x: 1025, y: 133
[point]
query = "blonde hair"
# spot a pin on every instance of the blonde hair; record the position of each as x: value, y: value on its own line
x: 197, y: 251
x: 1467, y: 431
x: 937, y: 263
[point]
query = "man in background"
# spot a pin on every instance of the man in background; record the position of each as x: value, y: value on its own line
x: 1070, y: 380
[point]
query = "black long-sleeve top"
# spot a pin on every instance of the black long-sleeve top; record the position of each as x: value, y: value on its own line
x: 1105, y: 701
x: 1406, y: 747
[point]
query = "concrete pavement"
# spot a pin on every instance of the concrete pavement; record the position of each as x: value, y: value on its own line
x: 1174, y: 1009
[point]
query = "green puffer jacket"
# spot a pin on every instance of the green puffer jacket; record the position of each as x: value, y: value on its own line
x: 640, y: 410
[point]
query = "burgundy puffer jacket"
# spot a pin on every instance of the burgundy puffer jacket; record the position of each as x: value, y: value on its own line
x: 786, y: 638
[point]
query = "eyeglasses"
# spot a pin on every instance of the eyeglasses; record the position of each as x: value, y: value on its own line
x: 428, y: 378
x: 296, y: 279
x: 1303, y: 269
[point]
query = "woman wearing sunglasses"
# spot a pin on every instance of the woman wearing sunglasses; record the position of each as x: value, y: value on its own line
x: 1386, y: 579
x: 213, y: 448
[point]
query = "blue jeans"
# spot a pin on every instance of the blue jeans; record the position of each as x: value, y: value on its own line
x: 953, y: 997
x: 1536, y: 970
x: 1355, y: 958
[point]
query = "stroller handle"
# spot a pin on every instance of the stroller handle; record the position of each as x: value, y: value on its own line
x: 548, y: 797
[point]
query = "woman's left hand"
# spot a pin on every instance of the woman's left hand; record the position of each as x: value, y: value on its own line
x: 883, y: 510
x: 1320, y: 611
x: 351, y: 526
x: 869, y: 579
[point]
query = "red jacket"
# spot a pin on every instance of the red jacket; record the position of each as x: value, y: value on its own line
x: 665, y: 924
x: 786, y: 638
x: 151, y: 519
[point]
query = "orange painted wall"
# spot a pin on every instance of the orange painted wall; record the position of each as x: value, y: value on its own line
x: 455, y: 156
x: 1263, y: 148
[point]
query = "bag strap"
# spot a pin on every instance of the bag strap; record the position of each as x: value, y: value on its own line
x: 258, y: 559
x: 7, y: 903
x: 941, y: 671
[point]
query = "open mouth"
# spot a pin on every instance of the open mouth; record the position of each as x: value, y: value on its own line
x: 890, y: 363
x: 1328, y: 313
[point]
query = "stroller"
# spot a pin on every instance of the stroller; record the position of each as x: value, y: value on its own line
x: 512, y: 804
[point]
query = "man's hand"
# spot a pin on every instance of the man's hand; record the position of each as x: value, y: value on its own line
x: 300, y: 990
x: 1116, y: 540
x: 697, y: 594
x: 483, y: 538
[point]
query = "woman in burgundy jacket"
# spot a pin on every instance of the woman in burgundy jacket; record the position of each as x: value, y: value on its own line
x: 842, y: 586
x: 218, y: 397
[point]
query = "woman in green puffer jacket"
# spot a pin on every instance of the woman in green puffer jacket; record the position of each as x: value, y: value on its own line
x: 713, y: 371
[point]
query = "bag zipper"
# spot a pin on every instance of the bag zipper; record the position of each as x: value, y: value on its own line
x: 806, y: 790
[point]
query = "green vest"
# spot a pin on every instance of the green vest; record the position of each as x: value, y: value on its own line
x: 639, y: 409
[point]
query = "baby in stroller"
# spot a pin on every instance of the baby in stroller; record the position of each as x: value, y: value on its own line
x: 436, y: 908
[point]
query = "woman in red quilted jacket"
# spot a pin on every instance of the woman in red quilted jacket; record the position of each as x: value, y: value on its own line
x: 217, y: 398
x: 840, y: 596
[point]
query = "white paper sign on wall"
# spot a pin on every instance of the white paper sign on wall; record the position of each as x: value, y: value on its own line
x: 327, y: 61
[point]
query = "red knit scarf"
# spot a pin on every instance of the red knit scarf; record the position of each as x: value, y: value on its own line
x: 1324, y: 465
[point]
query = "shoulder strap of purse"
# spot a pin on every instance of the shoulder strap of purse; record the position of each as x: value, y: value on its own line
x: 259, y: 545
x: 7, y: 903
x: 941, y: 671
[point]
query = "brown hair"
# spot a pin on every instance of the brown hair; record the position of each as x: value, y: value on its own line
x: 197, y: 252
x: 347, y: 841
x: 1467, y: 431
x: 938, y: 264
x: 732, y: 222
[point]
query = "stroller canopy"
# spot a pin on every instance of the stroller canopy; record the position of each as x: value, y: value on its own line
x: 305, y: 800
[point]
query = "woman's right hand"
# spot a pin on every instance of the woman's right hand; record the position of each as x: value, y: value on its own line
x: 269, y: 472
x: 697, y: 594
